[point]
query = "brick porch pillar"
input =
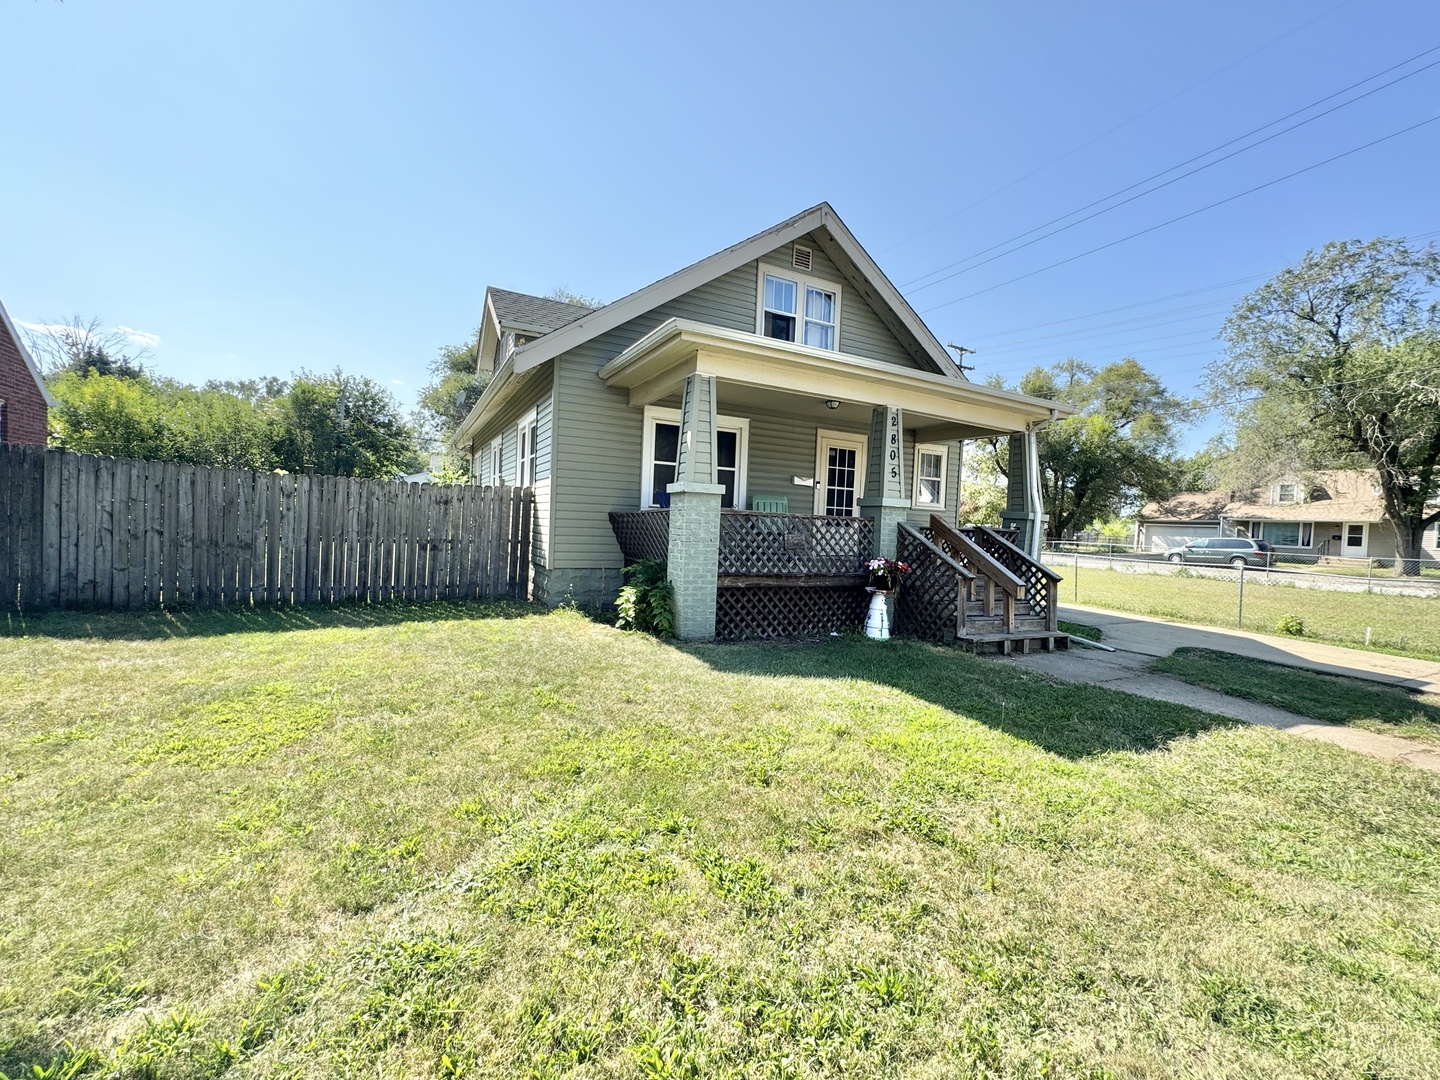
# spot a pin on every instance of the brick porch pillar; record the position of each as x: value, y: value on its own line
x: 694, y: 555
x: 886, y: 500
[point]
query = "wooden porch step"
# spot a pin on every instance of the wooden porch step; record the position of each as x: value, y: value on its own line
x: 994, y: 624
x: 1021, y: 642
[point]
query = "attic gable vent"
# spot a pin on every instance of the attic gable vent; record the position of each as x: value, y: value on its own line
x: 801, y: 257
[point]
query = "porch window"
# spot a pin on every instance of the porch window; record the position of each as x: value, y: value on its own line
x: 783, y: 317
x: 1288, y: 533
x: 662, y: 457
x: 930, y: 462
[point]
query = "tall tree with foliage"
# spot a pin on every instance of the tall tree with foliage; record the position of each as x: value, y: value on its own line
x: 456, y: 383
x: 1115, y: 452
x: 84, y: 346
x: 1335, y: 362
x: 342, y: 425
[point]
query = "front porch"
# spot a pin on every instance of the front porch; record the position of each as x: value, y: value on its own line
x: 801, y: 575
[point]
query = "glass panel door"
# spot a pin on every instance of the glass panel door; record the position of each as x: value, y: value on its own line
x: 839, y: 473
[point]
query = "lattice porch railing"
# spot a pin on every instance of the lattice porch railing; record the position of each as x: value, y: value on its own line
x: 1040, y: 581
x: 793, y: 545
x: 642, y: 534
x: 931, y: 600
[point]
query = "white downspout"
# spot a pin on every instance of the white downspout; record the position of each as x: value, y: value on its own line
x: 1037, y: 502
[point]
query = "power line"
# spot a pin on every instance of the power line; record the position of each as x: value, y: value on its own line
x: 1175, y: 179
x: 1110, y: 131
x: 1412, y: 237
x: 1190, y: 214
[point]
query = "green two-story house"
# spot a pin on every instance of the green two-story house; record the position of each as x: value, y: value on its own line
x: 784, y: 375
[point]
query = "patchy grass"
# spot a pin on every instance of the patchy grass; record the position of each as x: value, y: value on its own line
x: 479, y: 841
x: 1356, y: 702
x: 1403, y: 625
x: 1075, y: 629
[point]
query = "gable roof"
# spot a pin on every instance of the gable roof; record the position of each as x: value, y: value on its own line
x: 1333, y: 495
x: 830, y: 233
x: 19, y: 343
x: 536, y: 314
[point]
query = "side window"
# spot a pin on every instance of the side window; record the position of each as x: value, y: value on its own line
x: 929, y: 473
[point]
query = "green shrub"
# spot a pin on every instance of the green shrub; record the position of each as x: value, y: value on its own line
x: 647, y: 600
x: 1291, y: 624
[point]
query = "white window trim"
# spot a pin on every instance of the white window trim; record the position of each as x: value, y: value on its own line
x: 738, y: 424
x: 1280, y: 499
x: 943, y: 450
x: 528, y: 426
x: 825, y: 438
x: 801, y: 280
x: 496, y: 450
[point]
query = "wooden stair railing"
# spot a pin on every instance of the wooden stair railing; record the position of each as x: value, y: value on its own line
x: 990, y: 572
x: 1042, y: 582
x: 931, y: 603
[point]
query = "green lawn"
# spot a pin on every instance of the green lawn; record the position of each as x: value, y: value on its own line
x: 1075, y: 629
x: 1404, y: 625
x: 484, y: 842
x: 1355, y: 702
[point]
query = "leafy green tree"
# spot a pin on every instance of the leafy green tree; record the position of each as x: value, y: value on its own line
x: 1115, y: 452
x: 456, y: 383
x: 342, y: 425
x: 1335, y: 362
x: 107, y: 414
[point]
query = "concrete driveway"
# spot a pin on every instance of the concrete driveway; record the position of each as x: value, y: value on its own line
x: 1137, y: 639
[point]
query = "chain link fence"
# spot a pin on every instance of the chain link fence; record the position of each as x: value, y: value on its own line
x: 1368, y: 606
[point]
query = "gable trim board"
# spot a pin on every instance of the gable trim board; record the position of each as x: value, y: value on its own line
x: 25, y: 356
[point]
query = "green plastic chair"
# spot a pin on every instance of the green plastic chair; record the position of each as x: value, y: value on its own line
x: 770, y: 504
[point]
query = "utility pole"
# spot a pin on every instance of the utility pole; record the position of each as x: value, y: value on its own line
x: 960, y: 351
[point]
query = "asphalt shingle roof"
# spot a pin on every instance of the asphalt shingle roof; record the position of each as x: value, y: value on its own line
x: 519, y: 310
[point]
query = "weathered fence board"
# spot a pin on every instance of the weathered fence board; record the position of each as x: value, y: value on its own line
x: 78, y: 530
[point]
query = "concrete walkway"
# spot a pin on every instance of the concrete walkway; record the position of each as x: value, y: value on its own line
x: 1138, y: 639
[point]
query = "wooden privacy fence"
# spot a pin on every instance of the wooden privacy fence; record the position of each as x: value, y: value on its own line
x: 83, y: 531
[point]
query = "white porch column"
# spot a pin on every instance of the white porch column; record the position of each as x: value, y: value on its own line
x: 886, y: 498
x: 694, y: 555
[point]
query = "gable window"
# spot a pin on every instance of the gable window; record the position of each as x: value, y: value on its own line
x: 525, y: 451
x: 799, y: 309
x: 930, y: 462
x: 1287, y: 493
x: 661, y: 457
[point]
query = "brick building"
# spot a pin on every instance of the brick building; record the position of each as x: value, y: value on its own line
x: 24, y: 400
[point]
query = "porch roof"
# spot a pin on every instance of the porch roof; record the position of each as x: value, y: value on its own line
x: 656, y: 366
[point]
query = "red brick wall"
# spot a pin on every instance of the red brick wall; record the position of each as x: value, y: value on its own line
x: 25, y: 409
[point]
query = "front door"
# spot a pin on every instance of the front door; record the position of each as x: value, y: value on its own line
x: 839, y: 473
x: 1356, y: 541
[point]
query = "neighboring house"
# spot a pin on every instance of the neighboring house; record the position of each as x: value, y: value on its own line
x: 24, y: 400
x: 1326, y: 513
x: 767, y: 377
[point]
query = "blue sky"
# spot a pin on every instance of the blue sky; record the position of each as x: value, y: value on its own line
x: 268, y: 186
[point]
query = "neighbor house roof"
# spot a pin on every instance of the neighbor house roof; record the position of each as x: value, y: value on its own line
x: 19, y: 341
x: 1328, y: 495
x: 829, y: 231
x: 535, y: 314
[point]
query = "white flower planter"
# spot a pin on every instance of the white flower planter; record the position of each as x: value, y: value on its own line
x: 877, y: 620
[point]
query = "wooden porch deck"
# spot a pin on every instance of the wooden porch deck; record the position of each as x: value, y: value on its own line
x: 800, y: 575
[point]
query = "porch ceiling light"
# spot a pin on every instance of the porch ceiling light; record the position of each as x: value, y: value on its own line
x: 832, y: 404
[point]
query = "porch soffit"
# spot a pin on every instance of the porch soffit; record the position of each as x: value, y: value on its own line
x: 656, y: 366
